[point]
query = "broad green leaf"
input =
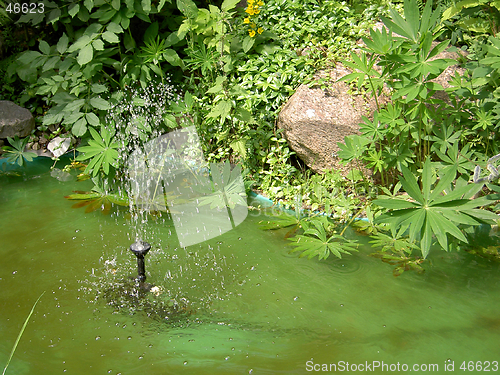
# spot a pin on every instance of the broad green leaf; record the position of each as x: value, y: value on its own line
x: 173, y: 58
x: 221, y: 110
x: 51, y: 63
x: 99, y: 103
x: 83, y: 41
x: 73, y: 9
x: 89, y: 4
x: 74, y: 105
x: 28, y: 56
x: 114, y: 28
x: 151, y: 33
x: 110, y: 37
x: 450, y: 12
x: 72, y: 117
x: 62, y: 44
x: 188, y: 8
x: 54, y: 15
x: 115, y: 4
x: 97, y: 88
x: 129, y: 42
x: 229, y: 4
x: 85, y: 55
x: 44, y: 47
x: 282, y: 220
x: 240, y: 147
x: 98, y: 45
x: 248, y: 43
x: 80, y: 127
x: 146, y: 6
x: 92, y: 119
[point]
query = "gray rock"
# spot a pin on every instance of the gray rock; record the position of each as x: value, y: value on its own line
x: 314, y: 120
x: 15, y: 120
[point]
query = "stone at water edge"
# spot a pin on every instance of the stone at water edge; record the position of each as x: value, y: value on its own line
x: 58, y: 146
x: 314, y: 120
x: 15, y: 120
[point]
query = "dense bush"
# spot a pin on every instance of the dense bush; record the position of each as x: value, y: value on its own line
x: 96, y: 67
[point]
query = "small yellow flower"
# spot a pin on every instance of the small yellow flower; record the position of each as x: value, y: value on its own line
x: 250, y: 11
x: 246, y: 20
x: 253, y: 25
x: 260, y: 3
x: 250, y: 2
x: 251, y: 33
x: 260, y: 30
x: 256, y: 11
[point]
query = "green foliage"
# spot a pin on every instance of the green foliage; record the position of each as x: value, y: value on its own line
x: 15, y: 153
x: 102, y: 151
x: 97, y: 199
x: 438, y: 211
x: 396, y: 250
x: 398, y: 134
x: 92, y: 52
x: 477, y: 16
x: 319, y: 239
x: 226, y: 189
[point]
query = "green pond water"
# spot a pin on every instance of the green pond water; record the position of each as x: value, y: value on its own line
x: 245, y: 304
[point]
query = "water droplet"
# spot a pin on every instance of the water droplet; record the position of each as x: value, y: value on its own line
x: 98, y: 337
x: 227, y: 358
x: 129, y: 338
x: 341, y: 305
x: 295, y: 298
x: 185, y: 363
x: 232, y: 348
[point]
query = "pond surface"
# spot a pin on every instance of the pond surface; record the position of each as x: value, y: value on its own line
x: 244, y: 304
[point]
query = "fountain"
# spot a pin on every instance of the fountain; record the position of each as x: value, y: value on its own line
x: 140, y: 249
x: 168, y: 174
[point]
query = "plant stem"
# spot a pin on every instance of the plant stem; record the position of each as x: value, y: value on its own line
x: 20, y: 334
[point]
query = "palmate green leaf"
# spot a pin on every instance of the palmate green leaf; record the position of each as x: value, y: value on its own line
x: 353, y: 148
x: 102, y: 152
x: 311, y: 247
x: 282, y: 220
x: 440, y: 211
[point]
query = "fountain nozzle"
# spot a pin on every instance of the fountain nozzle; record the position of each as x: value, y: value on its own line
x: 140, y: 249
